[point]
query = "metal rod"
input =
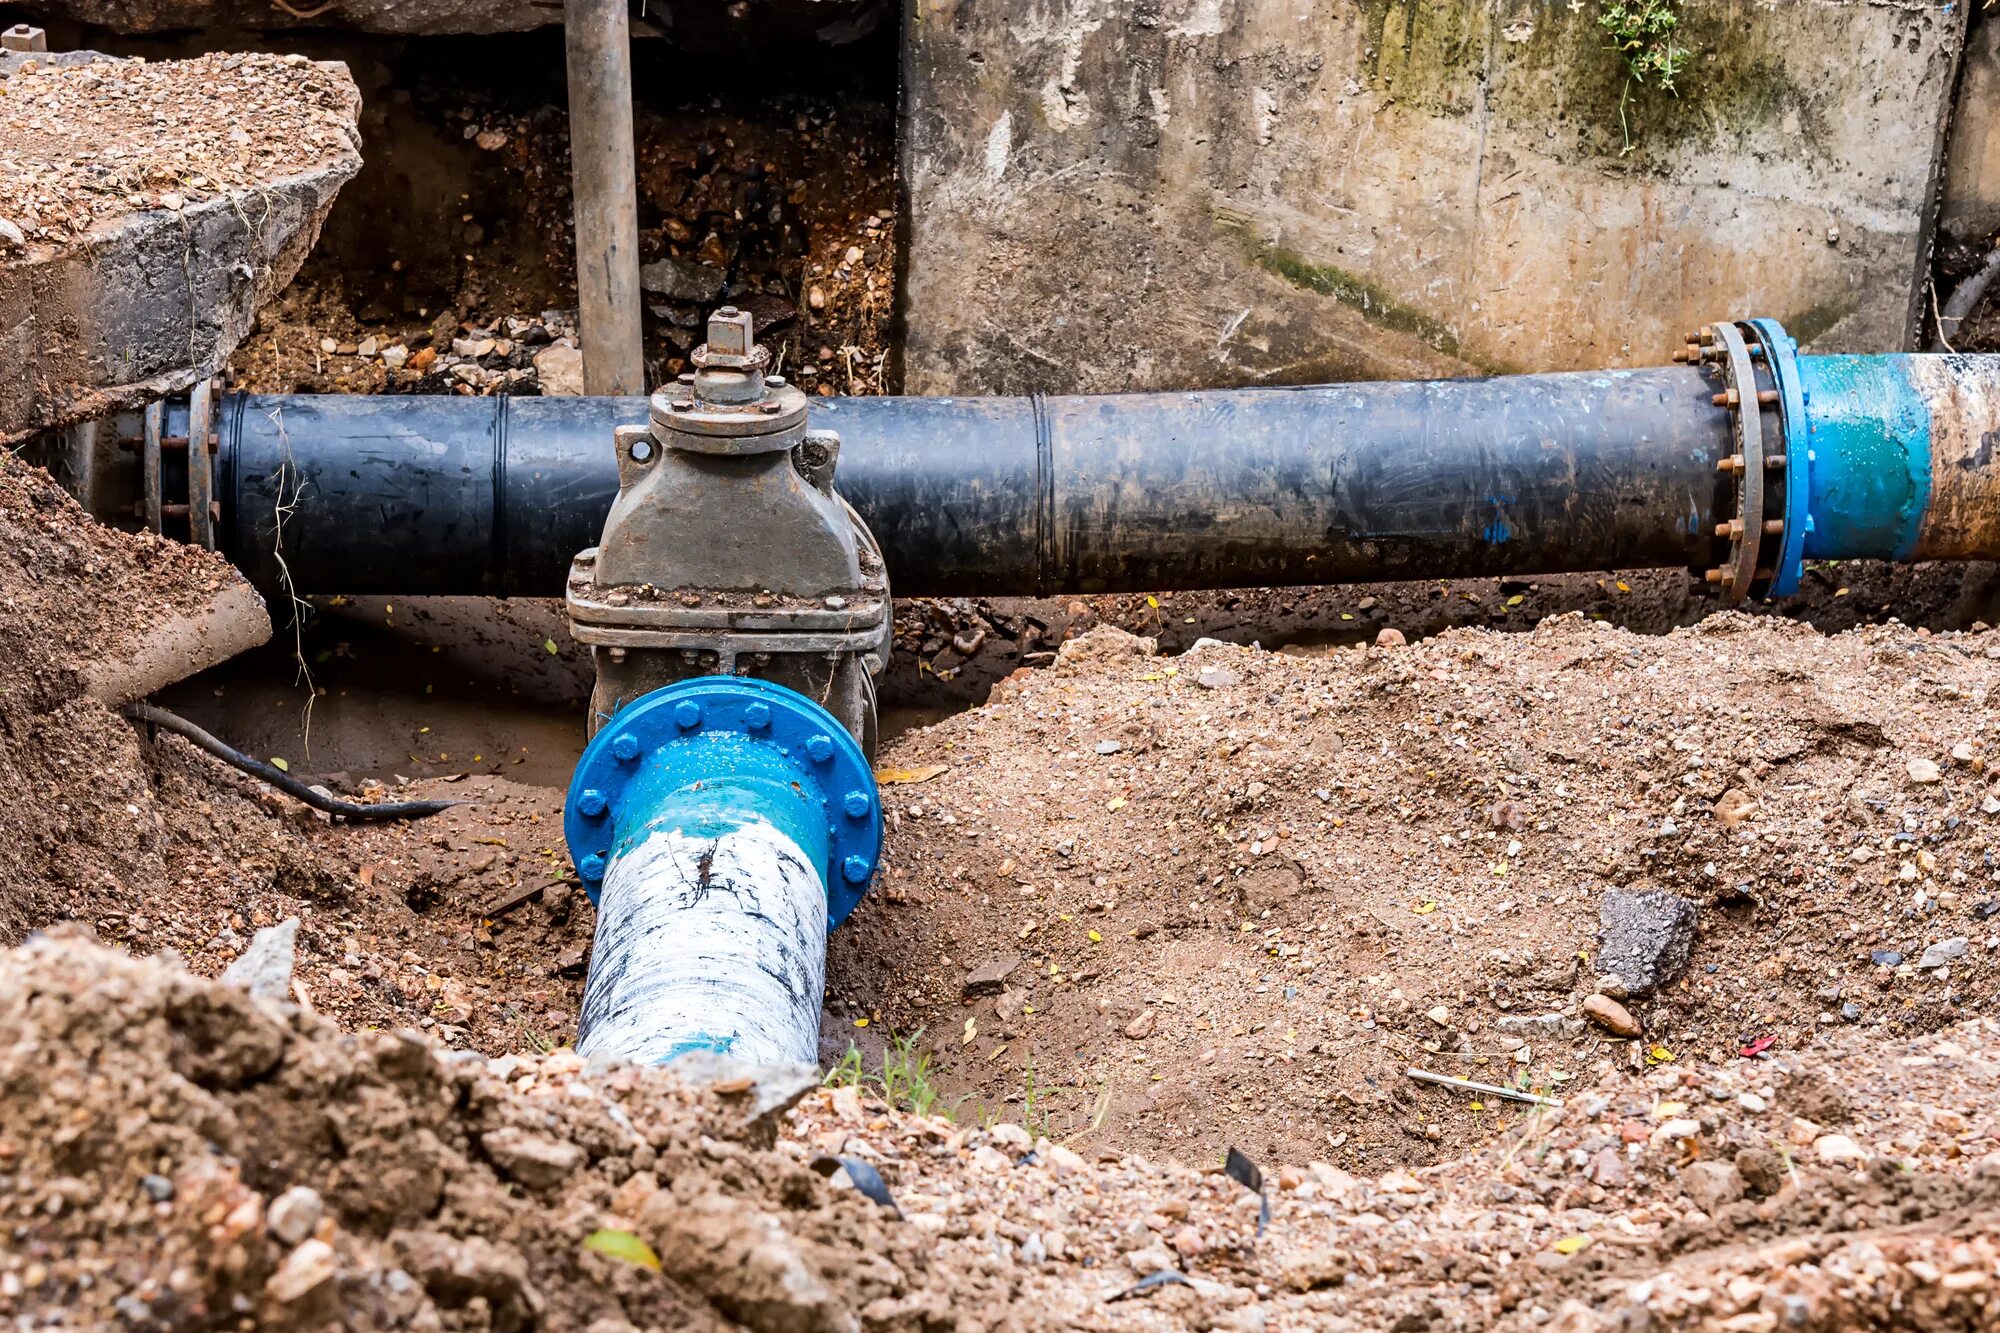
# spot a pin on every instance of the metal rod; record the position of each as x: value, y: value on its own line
x: 604, y: 176
x: 1490, y: 1089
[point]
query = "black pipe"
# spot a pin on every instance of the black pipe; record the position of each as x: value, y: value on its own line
x: 998, y: 496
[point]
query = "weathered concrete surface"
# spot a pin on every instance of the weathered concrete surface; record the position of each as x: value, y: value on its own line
x: 147, y: 303
x: 1970, y: 211
x: 1113, y: 195
x: 699, y: 22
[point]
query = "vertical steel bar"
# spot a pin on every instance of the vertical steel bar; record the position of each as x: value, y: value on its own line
x: 604, y: 177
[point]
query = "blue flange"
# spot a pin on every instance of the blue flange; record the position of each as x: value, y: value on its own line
x: 1781, y: 358
x: 711, y: 733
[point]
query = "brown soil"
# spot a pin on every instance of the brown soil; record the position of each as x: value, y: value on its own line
x: 1245, y: 890
x: 755, y: 200
x: 150, y: 1122
x: 181, y: 1156
x: 86, y: 144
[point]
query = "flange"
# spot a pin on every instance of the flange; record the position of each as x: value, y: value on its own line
x: 1764, y: 536
x: 669, y: 733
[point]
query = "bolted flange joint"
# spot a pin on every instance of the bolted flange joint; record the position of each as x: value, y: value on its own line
x: 741, y: 740
x: 1764, y: 513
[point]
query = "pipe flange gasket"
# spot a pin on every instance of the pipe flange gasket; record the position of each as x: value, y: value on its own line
x: 1746, y: 530
x: 1781, y: 362
x: 660, y: 729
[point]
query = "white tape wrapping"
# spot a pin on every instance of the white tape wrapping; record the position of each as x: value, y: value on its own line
x: 708, y: 943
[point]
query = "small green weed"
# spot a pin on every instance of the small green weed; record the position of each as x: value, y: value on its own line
x: 1642, y: 33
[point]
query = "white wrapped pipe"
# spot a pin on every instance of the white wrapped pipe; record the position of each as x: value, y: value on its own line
x: 708, y: 942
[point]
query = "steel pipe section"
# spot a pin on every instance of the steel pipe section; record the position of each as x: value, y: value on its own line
x: 722, y: 826
x: 995, y: 496
x: 1530, y: 474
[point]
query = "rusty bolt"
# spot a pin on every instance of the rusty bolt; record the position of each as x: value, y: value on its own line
x: 1768, y: 397
x: 730, y: 332
x: 1774, y: 462
x: 1727, y: 398
x: 1714, y: 576
x: 1733, y: 463
x: 1774, y: 527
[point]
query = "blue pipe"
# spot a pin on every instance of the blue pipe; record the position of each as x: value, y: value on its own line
x: 1896, y: 453
x: 722, y: 826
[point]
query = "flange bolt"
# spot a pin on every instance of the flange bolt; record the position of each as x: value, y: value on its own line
x: 757, y: 717
x: 820, y: 748
x: 857, y: 804
x: 591, y: 867
x: 687, y: 714
x: 592, y: 804
x: 625, y: 747
x: 856, y: 869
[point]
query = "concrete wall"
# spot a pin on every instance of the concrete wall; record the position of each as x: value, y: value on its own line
x: 1971, y: 209
x: 1127, y: 194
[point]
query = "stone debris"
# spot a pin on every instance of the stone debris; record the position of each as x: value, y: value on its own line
x: 1644, y: 938
x: 265, y: 968
x: 1659, y: 1195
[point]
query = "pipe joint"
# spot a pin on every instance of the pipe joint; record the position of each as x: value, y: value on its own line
x: 709, y: 752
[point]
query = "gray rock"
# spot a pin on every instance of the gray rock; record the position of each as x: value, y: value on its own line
x: 762, y: 1093
x: 1540, y: 1025
x: 990, y: 977
x: 681, y: 279
x: 1644, y: 938
x: 1942, y: 953
x: 1712, y: 1184
x: 293, y: 1214
x: 265, y: 968
x: 560, y: 370
x: 535, y: 1161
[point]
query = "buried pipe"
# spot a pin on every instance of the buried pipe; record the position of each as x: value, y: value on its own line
x: 722, y: 826
x: 1877, y: 457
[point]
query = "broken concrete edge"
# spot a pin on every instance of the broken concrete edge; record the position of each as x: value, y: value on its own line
x: 183, y: 644
x: 151, y: 303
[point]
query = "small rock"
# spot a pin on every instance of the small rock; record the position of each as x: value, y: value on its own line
x: 1942, y: 953
x: 1886, y: 958
x: 1327, y: 1267
x: 560, y: 370
x: 1389, y: 637
x: 1608, y: 1169
x: 816, y: 299
x: 1033, y: 1251
x: 293, y: 1214
x: 1010, y: 1135
x: 1924, y: 771
x: 265, y: 968
x: 535, y: 1161
x: 681, y: 279
x: 1850, y: 1012
x: 1539, y: 1025
x: 1113, y: 747
x: 1752, y: 1103
x: 1216, y: 678
x: 1612, y: 1016
x: 1712, y: 1184
x: 1734, y: 806
x: 1141, y: 1027
x: 1645, y: 937
x: 990, y: 977
x: 1439, y: 1015
x: 12, y: 234
x: 158, y: 1188
x: 1838, y: 1150
x: 1151, y: 1259
x: 303, y: 1270
x: 395, y: 355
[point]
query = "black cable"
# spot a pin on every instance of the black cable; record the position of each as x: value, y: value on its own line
x: 283, y: 781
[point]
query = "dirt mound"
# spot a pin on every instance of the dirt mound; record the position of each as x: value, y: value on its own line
x: 1229, y: 897
x: 177, y: 1155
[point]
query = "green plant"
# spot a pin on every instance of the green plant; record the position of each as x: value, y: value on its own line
x: 1642, y: 33
x: 905, y: 1081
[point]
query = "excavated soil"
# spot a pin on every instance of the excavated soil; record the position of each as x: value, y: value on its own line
x: 1245, y: 889
x: 86, y: 144
x: 178, y: 1155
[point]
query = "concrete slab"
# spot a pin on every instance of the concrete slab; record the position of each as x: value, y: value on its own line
x: 109, y: 300
x: 1110, y: 196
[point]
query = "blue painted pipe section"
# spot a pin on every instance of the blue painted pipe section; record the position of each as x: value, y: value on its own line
x: 1866, y: 447
x: 722, y: 826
